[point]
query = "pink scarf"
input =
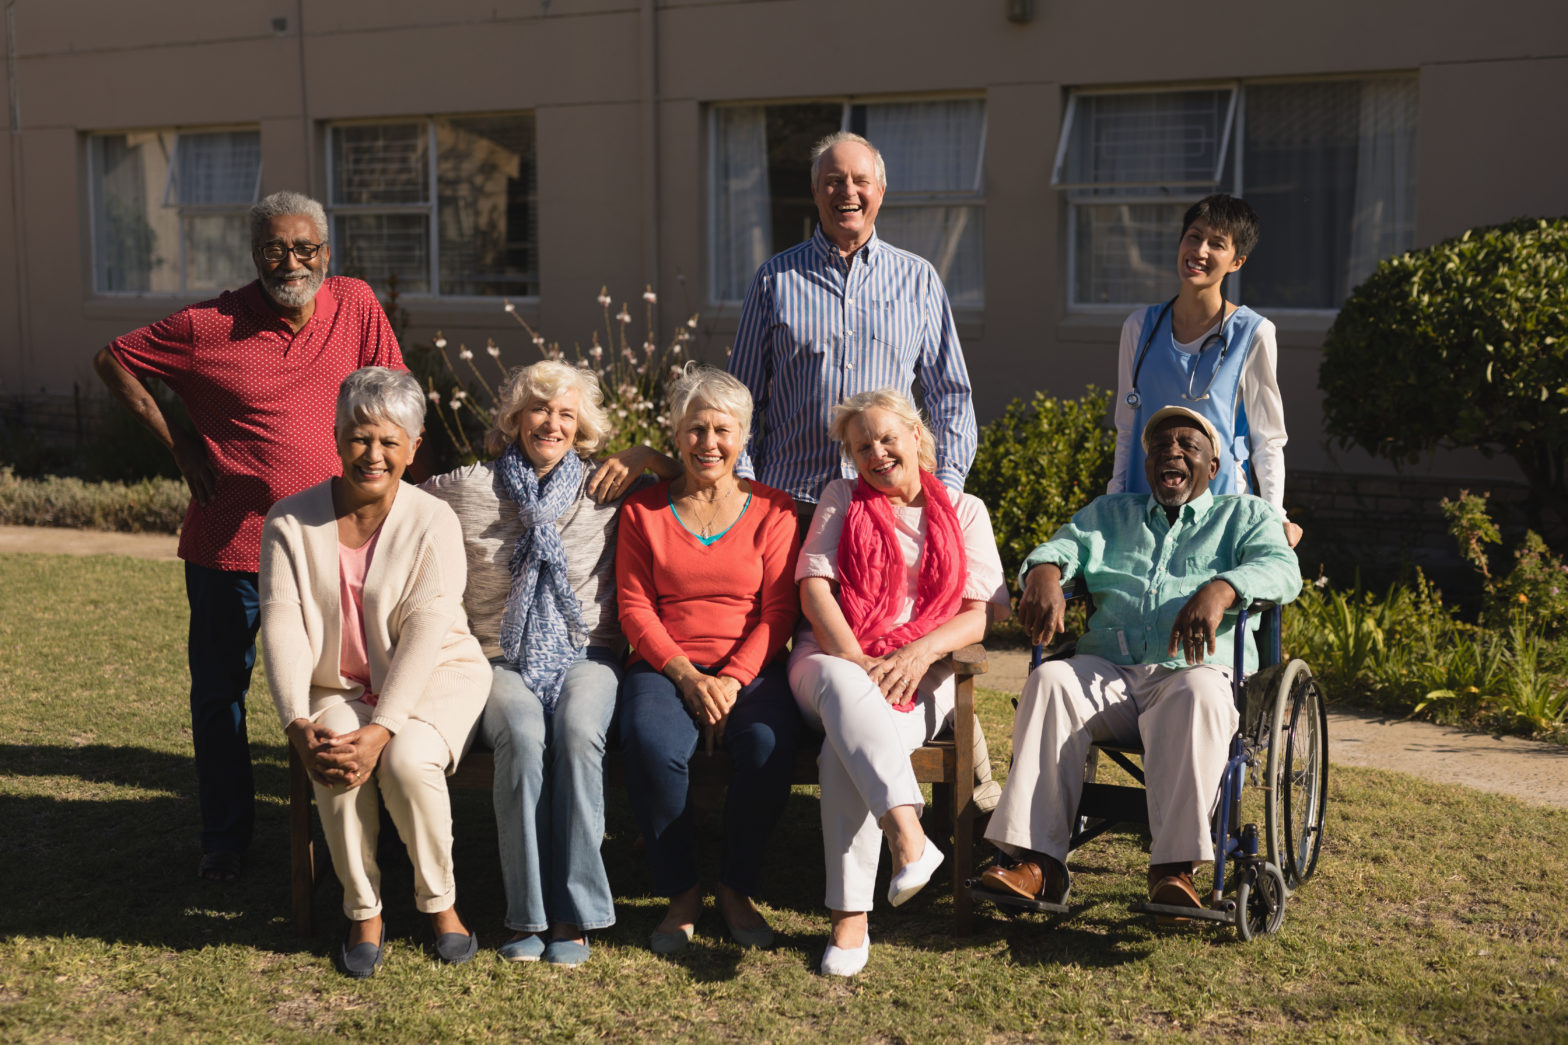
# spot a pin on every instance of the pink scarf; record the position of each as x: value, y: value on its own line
x: 871, y: 570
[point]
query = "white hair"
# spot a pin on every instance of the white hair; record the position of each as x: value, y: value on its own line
x: 839, y: 138
x: 705, y: 388
x: 280, y: 204
x: 542, y: 382
x: 376, y: 393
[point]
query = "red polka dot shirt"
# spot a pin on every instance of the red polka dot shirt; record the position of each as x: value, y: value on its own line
x: 262, y: 399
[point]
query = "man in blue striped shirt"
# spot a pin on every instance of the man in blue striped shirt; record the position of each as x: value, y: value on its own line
x: 843, y: 313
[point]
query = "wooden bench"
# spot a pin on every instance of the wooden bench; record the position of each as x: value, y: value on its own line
x: 946, y: 763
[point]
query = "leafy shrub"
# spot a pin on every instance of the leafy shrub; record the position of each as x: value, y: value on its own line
x: 149, y: 506
x: 1537, y: 585
x: 1037, y: 464
x: 1462, y: 344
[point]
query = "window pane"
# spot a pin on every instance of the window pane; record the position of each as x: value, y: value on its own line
x: 1160, y: 139
x: 373, y: 247
x: 485, y: 194
x: 1125, y: 253
x: 930, y: 146
x: 217, y: 251
x: 1330, y: 169
x: 216, y: 168
x: 380, y: 163
x: 136, y: 246
x: 951, y: 238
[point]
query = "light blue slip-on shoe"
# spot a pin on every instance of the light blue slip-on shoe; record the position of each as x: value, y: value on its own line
x: 523, y: 949
x: 566, y: 953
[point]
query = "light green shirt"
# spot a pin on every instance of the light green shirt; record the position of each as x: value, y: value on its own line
x: 1141, y: 569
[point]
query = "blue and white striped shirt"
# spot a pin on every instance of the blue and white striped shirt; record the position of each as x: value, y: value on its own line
x: 816, y: 329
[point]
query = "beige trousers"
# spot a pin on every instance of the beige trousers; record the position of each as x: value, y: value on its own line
x: 1184, y: 717
x: 411, y: 777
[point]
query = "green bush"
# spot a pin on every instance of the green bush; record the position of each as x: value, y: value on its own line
x: 1462, y: 344
x: 149, y: 506
x: 1037, y: 464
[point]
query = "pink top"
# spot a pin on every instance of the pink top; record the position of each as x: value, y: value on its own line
x: 730, y: 605
x: 353, y: 564
x: 262, y: 400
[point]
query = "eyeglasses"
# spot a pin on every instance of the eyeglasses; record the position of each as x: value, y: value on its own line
x: 276, y: 252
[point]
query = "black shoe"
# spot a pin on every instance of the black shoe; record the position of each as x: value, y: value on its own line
x: 363, y: 959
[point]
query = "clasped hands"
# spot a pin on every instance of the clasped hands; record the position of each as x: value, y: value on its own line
x: 898, y: 674
x: 338, y: 759
x: 709, y: 699
x: 1042, y: 610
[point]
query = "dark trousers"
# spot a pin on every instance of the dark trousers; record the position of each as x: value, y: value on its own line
x: 222, y: 651
x: 659, y: 737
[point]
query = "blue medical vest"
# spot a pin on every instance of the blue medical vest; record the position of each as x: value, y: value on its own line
x: 1166, y: 375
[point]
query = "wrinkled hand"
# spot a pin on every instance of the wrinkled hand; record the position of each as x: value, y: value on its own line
x: 709, y: 698
x: 616, y: 473
x: 191, y: 457
x: 1042, y: 608
x: 1292, y: 533
x: 1199, y: 620
x: 352, y: 757
x: 898, y: 674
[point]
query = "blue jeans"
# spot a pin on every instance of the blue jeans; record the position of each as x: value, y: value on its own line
x: 549, y: 793
x: 659, y: 737
x: 221, y: 652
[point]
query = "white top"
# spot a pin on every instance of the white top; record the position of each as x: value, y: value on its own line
x: 819, y: 555
x: 1258, y: 393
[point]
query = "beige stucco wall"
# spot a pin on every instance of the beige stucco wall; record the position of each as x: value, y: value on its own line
x: 1493, y: 137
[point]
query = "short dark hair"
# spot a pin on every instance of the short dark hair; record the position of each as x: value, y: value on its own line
x: 1231, y: 215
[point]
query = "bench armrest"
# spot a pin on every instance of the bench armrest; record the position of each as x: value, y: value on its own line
x: 968, y: 660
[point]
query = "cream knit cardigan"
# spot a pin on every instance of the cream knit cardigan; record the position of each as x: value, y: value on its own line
x: 423, y: 661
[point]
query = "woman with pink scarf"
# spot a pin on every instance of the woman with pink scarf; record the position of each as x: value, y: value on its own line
x: 896, y: 573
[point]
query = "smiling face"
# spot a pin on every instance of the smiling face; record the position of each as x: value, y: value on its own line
x: 847, y: 195
x: 547, y: 431
x: 292, y: 283
x: 1206, y: 255
x: 1180, y: 462
x: 375, y: 454
x: 886, y: 452
x: 708, y: 442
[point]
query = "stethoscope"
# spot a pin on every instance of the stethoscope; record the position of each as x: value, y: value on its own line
x: 1134, y: 399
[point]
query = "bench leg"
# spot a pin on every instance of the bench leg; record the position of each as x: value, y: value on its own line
x: 302, y: 856
x: 963, y: 803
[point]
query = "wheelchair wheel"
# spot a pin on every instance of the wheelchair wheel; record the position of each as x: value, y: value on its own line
x: 1297, y: 774
x: 1260, y: 901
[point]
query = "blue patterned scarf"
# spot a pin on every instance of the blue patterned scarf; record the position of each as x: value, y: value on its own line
x: 542, y: 627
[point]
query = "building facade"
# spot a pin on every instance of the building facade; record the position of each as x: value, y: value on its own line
x: 1040, y: 154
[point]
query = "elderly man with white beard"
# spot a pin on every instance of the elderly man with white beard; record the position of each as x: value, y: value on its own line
x: 257, y: 370
x: 1166, y: 571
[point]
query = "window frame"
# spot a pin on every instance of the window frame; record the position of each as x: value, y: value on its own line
x: 95, y: 201
x: 429, y: 207
x: 1235, y: 142
x: 891, y: 198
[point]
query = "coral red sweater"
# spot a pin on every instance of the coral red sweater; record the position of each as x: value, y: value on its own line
x: 731, y: 605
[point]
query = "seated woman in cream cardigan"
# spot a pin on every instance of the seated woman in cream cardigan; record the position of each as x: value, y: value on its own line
x: 376, y: 679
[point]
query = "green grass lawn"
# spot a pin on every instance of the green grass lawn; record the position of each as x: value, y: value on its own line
x: 1436, y: 915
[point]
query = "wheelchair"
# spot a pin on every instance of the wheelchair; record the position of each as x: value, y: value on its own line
x: 1281, y: 745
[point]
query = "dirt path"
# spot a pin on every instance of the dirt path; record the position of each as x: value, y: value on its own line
x: 1528, y: 770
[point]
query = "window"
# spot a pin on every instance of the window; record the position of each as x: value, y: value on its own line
x: 447, y: 204
x: 169, y: 209
x: 935, y: 200
x: 1328, y: 165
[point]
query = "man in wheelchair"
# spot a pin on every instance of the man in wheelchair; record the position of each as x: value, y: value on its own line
x: 1154, y: 666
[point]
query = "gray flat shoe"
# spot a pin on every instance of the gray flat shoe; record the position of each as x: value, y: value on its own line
x: 363, y: 959
x: 670, y: 942
x: 758, y: 939
x: 457, y: 948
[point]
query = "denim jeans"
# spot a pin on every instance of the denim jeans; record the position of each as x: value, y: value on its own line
x: 549, y: 793
x: 221, y: 652
x: 659, y: 737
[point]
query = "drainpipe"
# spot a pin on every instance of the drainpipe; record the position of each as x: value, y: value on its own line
x: 648, y: 24
x: 18, y: 204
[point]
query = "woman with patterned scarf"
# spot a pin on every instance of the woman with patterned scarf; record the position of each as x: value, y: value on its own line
x: 539, y: 530
x: 896, y: 573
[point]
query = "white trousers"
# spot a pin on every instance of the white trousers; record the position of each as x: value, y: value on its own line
x: 1184, y: 717
x: 864, y: 767
x: 411, y: 777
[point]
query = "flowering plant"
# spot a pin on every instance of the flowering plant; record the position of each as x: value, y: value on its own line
x: 633, y: 376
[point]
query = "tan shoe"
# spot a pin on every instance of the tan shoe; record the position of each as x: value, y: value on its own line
x: 1044, y: 880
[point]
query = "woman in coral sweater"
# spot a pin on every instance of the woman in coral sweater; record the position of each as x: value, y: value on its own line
x: 705, y: 570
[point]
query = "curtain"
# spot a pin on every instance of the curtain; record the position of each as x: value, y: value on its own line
x: 742, y: 228
x: 1382, y: 221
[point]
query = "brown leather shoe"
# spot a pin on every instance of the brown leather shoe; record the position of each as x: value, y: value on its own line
x: 1171, y: 884
x: 1042, y: 880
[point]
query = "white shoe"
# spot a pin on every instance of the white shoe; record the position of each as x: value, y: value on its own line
x: 838, y: 962
x: 914, y: 876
